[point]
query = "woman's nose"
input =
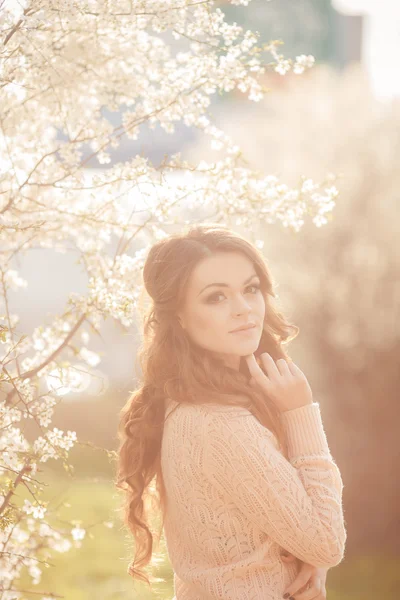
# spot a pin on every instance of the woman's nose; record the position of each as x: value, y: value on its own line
x: 241, y: 306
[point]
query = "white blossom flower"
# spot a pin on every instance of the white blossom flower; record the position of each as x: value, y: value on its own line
x: 78, y: 533
x: 37, y: 511
x: 13, y: 280
x: 303, y: 62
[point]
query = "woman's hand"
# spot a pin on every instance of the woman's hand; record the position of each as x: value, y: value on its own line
x: 309, y: 583
x: 284, y: 382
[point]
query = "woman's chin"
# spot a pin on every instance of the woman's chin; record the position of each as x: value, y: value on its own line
x: 250, y: 345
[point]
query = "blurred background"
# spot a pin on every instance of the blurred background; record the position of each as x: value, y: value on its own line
x: 339, y: 283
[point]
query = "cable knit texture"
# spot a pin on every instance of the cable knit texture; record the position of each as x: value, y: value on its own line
x: 234, y: 502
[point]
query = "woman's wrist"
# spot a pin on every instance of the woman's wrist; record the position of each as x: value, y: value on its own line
x: 296, y: 407
x: 304, y: 430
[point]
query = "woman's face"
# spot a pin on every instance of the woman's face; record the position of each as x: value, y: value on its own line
x: 223, y: 294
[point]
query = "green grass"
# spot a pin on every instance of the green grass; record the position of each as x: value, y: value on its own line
x: 97, y: 570
x: 365, y: 578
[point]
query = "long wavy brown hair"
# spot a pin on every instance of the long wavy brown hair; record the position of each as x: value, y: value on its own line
x: 173, y: 367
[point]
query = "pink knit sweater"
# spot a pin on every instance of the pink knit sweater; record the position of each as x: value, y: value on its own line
x: 234, y: 502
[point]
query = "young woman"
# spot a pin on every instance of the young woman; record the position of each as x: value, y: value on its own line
x: 225, y: 429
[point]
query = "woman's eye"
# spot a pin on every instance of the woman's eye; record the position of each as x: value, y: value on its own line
x: 213, y: 296
x: 257, y: 287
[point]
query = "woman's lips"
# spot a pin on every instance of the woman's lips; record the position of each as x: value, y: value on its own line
x: 248, y: 330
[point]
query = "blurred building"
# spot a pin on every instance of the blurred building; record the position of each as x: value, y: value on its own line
x: 369, y: 31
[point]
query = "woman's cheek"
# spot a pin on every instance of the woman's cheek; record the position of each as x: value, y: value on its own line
x: 206, y: 323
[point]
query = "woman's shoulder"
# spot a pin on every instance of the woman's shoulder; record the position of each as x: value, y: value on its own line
x: 220, y: 420
x: 206, y: 407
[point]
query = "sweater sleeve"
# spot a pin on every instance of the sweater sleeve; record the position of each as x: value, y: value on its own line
x: 297, y: 502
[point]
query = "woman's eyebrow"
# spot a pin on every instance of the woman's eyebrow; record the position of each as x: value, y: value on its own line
x: 226, y: 284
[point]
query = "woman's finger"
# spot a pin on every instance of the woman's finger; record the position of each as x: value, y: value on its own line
x: 288, y: 557
x: 292, y: 367
x: 303, y: 578
x: 257, y: 373
x: 320, y: 596
x: 270, y: 366
x: 295, y: 369
x: 251, y: 361
x: 313, y: 592
x: 283, y: 367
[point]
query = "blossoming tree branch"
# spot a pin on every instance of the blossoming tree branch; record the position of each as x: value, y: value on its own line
x: 61, y: 63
